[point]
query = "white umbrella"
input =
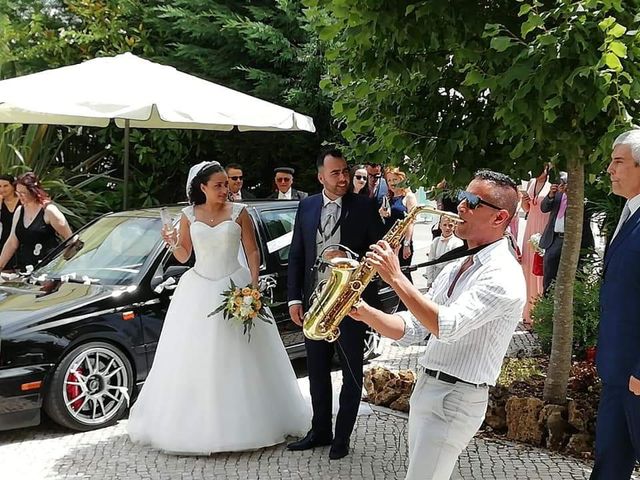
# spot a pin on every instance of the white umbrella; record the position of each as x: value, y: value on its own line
x: 137, y: 93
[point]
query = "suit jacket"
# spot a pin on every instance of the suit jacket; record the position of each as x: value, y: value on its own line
x: 244, y: 194
x: 295, y: 195
x: 360, y: 226
x: 618, y: 353
x: 381, y: 191
x: 552, y: 205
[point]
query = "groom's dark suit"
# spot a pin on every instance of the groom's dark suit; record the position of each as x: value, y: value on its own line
x: 360, y: 226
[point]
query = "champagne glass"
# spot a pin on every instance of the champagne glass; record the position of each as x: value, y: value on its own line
x: 167, y: 225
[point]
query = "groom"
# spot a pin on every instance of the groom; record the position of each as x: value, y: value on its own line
x: 328, y: 218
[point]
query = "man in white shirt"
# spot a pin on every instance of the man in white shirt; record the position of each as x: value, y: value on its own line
x: 440, y: 245
x: 471, y: 311
x: 284, y: 185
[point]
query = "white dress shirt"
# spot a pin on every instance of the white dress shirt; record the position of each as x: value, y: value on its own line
x: 633, y: 204
x: 320, y: 242
x: 477, y: 322
x: 284, y: 196
x: 439, y: 246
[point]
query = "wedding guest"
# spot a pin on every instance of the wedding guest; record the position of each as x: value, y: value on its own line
x: 471, y: 313
x: 618, y: 356
x: 358, y: 178
x: 532, y: 197
x: 376, y: 186
x: 446, y: 202
x: 440, y: 245
x: 236, y: 181
x: 335, y: 216
x: 9, y: 202
x: 284, y: 185
x: 401, y: 200
x: 38, y: 225
x: 555, y: 204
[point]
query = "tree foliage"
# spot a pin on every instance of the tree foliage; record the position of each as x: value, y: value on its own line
x: 262, y: 48
x: 505, y: 85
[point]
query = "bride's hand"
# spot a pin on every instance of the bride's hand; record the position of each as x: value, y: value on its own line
x: 170, y: 238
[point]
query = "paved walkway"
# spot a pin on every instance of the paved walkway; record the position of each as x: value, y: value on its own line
x: 378, y: 451
x: 378, y: 448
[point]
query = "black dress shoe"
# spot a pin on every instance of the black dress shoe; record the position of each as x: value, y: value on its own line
x: 311, y: 440
x: 338, y: 450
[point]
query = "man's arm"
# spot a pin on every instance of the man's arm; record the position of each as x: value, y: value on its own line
x: 390, y: 326
x: 549, y: 200
x: 295, y: 269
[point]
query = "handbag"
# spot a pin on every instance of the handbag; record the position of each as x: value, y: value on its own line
x: 536, y: 268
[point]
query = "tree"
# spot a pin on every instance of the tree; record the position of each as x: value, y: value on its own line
x: 263, y: 48
x: 395, y: 72
x: 504, y: 86
x: 564, y: 83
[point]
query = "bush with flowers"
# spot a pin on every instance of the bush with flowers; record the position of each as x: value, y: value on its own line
x: 243, y: 305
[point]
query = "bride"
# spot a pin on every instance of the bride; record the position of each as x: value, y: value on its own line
x: 210, y: 390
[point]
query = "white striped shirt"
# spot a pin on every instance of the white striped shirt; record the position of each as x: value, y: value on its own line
x: 477, y: 322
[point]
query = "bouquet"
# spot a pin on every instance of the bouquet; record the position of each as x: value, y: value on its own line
x: 243, y: 305
x: 537, y: 267
x: 534, y: 241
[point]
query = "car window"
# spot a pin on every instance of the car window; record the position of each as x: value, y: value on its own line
x: 279, y: 226
x: 111, y: 251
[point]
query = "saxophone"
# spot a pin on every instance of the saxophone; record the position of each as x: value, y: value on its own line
x: 333, y: 299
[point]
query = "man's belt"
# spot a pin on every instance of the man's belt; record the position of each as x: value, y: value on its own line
x: 445, y: 377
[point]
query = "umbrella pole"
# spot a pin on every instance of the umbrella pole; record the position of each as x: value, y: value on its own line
x: 126, y: 164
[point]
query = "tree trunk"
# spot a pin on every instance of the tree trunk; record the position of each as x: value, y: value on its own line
x: 555, y: 386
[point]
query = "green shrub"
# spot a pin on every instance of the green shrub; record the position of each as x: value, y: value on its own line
x: 586, y: 314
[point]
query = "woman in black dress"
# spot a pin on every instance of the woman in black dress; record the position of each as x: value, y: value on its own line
x: 37, y: 224
x: 8, y: 203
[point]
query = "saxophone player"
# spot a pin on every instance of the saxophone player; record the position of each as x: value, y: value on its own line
x: 335, y: 216
x: 471, y: 311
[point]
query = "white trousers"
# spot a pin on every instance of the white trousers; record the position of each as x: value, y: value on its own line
x: 443, y: 418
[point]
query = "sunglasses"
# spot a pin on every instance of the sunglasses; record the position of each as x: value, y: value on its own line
x: 283, y: 180
x: 474, y: 201
x: 235, y: 178
x: 377, y: 175
x: 360, y: 177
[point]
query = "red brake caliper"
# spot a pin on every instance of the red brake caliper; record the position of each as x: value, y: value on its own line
x: 74, y: 391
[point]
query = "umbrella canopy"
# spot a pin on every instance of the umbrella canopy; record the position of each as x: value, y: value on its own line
x: 137, y: 93
x: 149, y: 95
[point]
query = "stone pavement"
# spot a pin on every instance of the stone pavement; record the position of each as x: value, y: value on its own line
x: 379, y: 444
x: 378, y: 451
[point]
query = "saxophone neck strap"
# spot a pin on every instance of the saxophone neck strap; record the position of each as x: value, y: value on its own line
x: 454, y: 254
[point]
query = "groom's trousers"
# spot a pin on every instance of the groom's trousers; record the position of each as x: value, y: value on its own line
x: 350, y: 349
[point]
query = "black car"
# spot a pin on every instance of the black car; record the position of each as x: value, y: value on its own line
x: 78, y: 336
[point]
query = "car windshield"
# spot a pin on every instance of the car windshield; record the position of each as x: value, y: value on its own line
x: 111, y: 251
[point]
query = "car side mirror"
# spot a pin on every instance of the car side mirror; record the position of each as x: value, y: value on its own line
x: 169, y: 279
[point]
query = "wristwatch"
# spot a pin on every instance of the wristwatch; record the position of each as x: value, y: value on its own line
x: 406, y: 243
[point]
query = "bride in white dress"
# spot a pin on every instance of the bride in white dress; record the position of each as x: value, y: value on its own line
x: 210, y: 389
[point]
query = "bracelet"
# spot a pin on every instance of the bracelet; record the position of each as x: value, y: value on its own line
x: 406, y: 243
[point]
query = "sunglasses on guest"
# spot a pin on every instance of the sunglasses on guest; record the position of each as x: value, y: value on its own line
x: 474, y: 201
x: 283, y: 180
x: 235, y: 178
x: 360, y: 177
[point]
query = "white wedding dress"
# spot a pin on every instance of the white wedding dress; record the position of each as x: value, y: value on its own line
x: 210, y: 389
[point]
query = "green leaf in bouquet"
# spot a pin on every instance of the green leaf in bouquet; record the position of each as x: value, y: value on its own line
x: 218, y: 310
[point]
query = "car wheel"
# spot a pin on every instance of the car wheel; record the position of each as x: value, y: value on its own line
x: 90, y: 388
x: 371, y: 344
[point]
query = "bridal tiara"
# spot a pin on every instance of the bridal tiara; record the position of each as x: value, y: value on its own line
x: 195, y: 171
